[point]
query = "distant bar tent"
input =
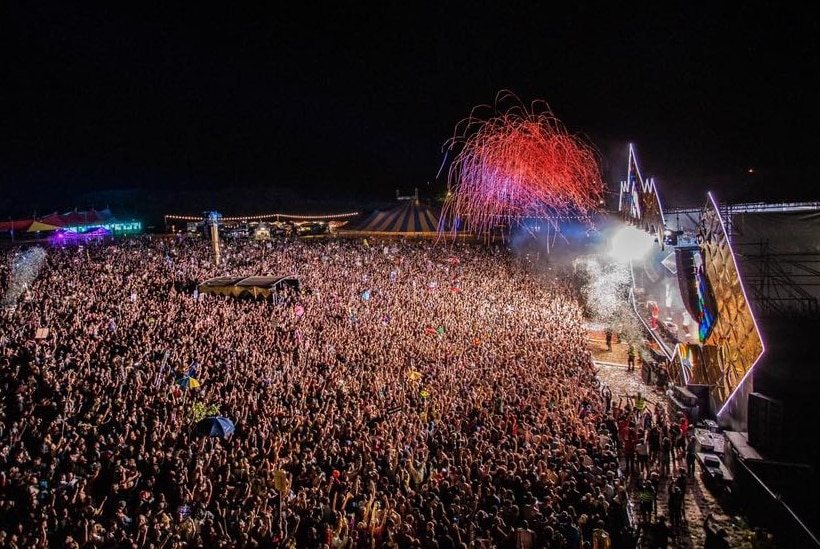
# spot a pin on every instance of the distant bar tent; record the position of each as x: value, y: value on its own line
x: 254, y: 287
x: 75, y: 221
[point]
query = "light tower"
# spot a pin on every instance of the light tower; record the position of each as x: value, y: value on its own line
x: 212, y: 221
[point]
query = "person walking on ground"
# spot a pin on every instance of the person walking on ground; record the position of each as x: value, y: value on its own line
x: 682, y: 481
x: 674, y: 437
x: 691, y: 455
x: 639, y: 402
x: 675, y: 503
x: 642, y: 455
x: 683, y: 436
x: 653, y: 439
x: 630, y: 444
x: 666, y: 457
x: 647, y: 501
x: 609, y: 339
x: 659, y: 534
x: 631, y: 353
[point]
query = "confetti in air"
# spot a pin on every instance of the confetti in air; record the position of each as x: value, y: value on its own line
x: 24, y: 270
x: 521, y: 162
x: 605, y: 288
x: 605, y: 292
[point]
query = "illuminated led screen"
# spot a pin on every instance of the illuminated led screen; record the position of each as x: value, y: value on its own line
x: 706, y: 310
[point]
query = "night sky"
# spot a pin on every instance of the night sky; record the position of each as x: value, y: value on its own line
x: 357, y: 101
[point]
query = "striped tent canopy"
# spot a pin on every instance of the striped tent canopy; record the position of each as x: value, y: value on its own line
x: 38, y: 226
x: 409, y: 217
x: 18, y: 225
x: 54, y: 221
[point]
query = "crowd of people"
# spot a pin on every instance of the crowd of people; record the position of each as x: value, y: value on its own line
x: 408, y: 394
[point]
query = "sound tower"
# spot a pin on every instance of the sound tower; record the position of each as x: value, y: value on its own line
x: 701, y: 392
x: 687, y: 279
x: 765, y: 416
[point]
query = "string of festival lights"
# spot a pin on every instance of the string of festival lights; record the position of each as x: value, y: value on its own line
x: 521, y: 162
x: 265, y: 217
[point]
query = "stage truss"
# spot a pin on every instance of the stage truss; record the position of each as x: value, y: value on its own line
x: 638, y: 200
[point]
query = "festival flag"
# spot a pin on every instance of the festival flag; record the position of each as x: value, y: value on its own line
x: 413, y: 375
x: 187, y: 382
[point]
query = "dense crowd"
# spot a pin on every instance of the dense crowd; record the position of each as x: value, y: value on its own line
x: 409, y: 394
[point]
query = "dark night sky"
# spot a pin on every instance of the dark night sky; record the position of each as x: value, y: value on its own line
x: 359, y: 100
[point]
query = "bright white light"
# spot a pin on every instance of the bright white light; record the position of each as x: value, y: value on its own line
x: 630, y: 243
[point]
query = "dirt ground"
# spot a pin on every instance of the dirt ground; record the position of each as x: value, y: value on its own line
x: 700, y: 500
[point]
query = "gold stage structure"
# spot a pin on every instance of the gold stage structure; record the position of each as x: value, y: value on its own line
x: 731, y: 343
x: 728, y: 342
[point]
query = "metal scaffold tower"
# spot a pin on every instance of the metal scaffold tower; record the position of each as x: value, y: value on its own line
x: 779, y: 283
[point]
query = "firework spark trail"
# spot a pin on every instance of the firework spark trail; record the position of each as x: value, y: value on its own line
x: 25, y: 268
x: 519, y: 163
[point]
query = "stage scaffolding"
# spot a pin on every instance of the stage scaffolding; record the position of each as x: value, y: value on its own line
x: 780, y: 283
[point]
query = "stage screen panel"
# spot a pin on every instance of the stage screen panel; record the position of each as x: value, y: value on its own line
x: 706, y: 313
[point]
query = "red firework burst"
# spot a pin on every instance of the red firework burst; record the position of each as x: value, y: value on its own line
x: 519, y: 163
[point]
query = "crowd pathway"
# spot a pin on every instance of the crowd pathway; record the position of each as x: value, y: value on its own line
x: 700, y: 501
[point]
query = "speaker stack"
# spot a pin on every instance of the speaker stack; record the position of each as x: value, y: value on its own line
x: 765, y: 423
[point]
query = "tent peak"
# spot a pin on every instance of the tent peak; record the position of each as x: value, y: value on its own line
x: 414, y: 196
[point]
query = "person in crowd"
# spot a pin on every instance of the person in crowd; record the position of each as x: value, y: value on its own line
x: 600, y: 537
x: 606, y: 392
